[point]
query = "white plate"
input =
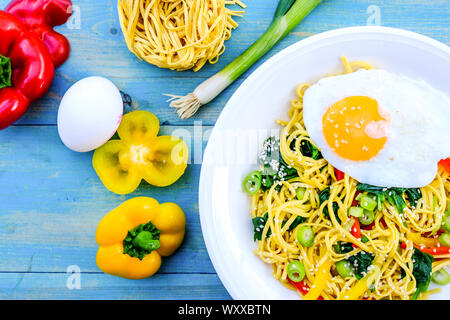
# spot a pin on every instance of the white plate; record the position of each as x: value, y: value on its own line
x: 264, y: 97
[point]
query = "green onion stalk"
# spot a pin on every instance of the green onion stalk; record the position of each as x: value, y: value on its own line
x: 288, y: 15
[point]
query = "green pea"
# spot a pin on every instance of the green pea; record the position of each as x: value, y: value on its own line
x: 305, y: 235
x: 296, y: 271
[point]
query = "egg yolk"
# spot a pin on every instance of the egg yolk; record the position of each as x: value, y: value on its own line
x: 355, y: 129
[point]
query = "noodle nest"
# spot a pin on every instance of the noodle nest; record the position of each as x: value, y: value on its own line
x: 177, y: 34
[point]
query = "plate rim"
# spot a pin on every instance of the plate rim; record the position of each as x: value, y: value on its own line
x: 205, y: 202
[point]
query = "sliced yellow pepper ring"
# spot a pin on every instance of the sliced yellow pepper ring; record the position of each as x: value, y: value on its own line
x: 140, y: 154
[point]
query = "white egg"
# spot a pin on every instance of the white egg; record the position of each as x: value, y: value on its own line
x: 89, y: 114
x: 407, y: 142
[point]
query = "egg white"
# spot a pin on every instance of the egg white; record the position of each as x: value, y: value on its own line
x: 419, y: 132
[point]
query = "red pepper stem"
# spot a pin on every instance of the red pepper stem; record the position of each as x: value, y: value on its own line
x: 5, y: 72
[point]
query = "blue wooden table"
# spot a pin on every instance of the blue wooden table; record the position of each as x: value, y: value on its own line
x: 50, y: 197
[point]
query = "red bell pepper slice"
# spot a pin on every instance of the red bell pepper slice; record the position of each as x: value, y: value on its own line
x: 339, y: 174
x: 302, y: 287
x: 356, y: 231
x: 445, y: 163
x: 40, y: 17
x: 32, y: 68
x: 436, y: 251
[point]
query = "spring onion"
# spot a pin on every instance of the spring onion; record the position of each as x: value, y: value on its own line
x: 252, y: 183
x: 441, y: 277
x: 367, y: 217
x: 446, y: 222
x: 305, y: 235
x: 300, y: 192
x: 355, y: 211
x: 296, y: 271
x: 444, y: 239
x: 367, y: 202
x: 288, y: 14
x: 344, y: 268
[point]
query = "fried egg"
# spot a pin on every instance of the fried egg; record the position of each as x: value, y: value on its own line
x: 380, y: 128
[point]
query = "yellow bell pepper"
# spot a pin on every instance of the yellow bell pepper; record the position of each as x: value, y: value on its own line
x: 140, y: 154
x: 320, y: 281
x: 417, y: 239
x: 133, y: 237
x: 364, y: 283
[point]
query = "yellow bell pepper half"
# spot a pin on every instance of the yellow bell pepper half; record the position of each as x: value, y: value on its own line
x: 133, y: 237
x: 140, y: 154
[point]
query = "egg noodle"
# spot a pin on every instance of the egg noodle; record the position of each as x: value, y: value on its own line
x: 391, y: 274
x: 177, y: 34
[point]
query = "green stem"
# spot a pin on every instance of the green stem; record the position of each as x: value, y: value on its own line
x: 5, y: 72
x: 281, y: 25
x: 141, y: 240
x: 144, y: 240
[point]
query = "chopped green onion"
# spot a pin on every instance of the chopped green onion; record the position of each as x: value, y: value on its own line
x: 345, y: 269
x: 296, y: 271
x: 441, y: 277
x: 300, y: 192
x: 364, y: 239
x: 446, y: 222
x: 289, y: 14
x: 367, y: 217
x: 305, y: 235
x: 444, y: 239
x: 252, y: 183
x: 367, y: 202
x: 355, y: 211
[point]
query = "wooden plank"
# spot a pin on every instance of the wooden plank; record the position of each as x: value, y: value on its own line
x: 100, y: 286
x: 52, y: 201
x: 98, y: 49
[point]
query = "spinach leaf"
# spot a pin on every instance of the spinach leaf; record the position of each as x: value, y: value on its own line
x: 307, y: 149
x: 295, y: 223
x: 413, y: 195
x: 274, y: 167
x: 393, y: 195
x: 342, y: 247
x: 260, y: 222
x: 360, y: 263
x: 422, y: 268
x: 258, y: 226
x: 324, y: 195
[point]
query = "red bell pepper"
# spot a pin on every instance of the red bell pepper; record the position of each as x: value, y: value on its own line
x: 29, y: 52
x: 41, y: 16
x: 356, y: 231
x: 339, y: 174
x: 31, y: 68
x: 436, y: 251
x: 445, y: 163
x: 302, y: 287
